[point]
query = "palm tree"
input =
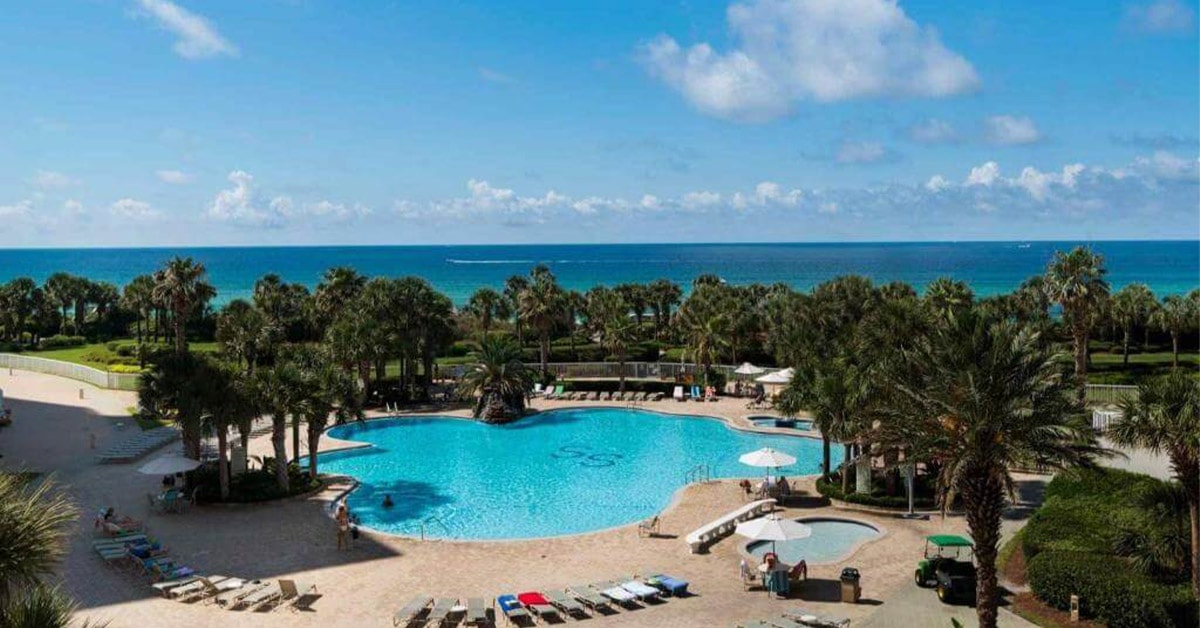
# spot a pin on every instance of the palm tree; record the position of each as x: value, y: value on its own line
x: 1164, y: 417
x: 979, y: 398
x: 1128, y: 310
x: 280, y: 389
x: 574, y: 306
x: 328, y: 390
x: 282, y: 303
x: 487, y: 305
x: 946, y: 297
x: 514, y: 287
x: 705, y: 327
x: 176, y: 389
x: 542, y: 307
x: 663, y: 295
x: 608, y: 316
x: 500, y: 379
x: 60, y: 289
x: 180, y: 285
x: 243, y: 333
x: 1076, y: 282
x: 231, y: 402
x: 339, y: 287
x: 1176, y: 316
x: 840, y: 397
x: 35, y: 523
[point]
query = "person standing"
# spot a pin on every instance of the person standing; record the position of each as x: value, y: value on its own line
x: 343, y: 527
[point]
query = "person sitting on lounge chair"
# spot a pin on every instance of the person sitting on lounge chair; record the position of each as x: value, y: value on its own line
x: 108, y: 521
x: 798, y: 572
x: 785, y: 489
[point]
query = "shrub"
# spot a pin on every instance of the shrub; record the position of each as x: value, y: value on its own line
x: 124, y: 368
x: 10, y: 347
x: 252, y: 486
x: 112, y: 345
x: 1109, y: 590
x: 127, y: 351
x: 876, y: 498
x: 61, y: 342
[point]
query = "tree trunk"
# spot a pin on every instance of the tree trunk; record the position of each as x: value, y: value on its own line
x: 1194, y: 512
x: 621, y: 372
x: 223, y: 460
x: 545, y: 349
x: 983, y: 499
x: 1175, y: 358
x: 1125, y: 349
x: 314, y: 441
x: 179, y: 319
x: 825, y: 457
x: 296, y: 437
x: 279, y: 441
x: 846, y: 455
x: 1081, y: 360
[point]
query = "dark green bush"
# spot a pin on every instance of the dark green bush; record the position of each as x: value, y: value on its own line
x: 112, y: 345
x: 127, y: 351
x: 1109, y: 590
x: 877, y: 497
x: 252, y: 486
x: 10, y: 347
x: 61, y: 342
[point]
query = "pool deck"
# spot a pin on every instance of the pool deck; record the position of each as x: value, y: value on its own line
x: 364, y: 586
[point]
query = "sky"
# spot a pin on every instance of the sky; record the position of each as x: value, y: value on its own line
x: 273, y: 122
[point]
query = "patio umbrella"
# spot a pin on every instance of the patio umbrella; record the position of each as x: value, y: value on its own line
x: 773, y: 528
x: 767, y: 457
x: 168, y: 464
x: 778, y: 377
x: 748, y: 369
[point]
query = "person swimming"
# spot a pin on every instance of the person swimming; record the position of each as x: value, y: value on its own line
x: 387, y: 501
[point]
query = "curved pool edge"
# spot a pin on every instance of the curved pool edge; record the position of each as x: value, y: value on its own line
x: 673, y: 503
x: 744, y: 552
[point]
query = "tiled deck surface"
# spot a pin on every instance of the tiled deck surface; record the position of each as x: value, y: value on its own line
x: 363, y: 586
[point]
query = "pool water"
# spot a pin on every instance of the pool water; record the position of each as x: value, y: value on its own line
x: 770, y: 421
x: 831, y: 541
x: 554, y: 473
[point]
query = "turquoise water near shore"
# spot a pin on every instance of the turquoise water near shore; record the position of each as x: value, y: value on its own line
x: 1169, y: 267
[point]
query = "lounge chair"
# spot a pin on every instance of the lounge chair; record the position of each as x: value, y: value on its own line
x: 678, y: 394
x: 477, y: 612
x: 442, y: 607
x: 750, y: 577
x: 266, y: 595
x: 658, y: 396
x: 549, y: 392
x: 201, y: 587
x: 234, y: 596
x: 671, y: 586
x: 649, y: 527
x: 301, y: 595
x: 697, y: 395
x: 566, y: 604
x: 409, y: 613
x: 643, y: 591
x: 512, y: 608
x: 615, y: 592
x: 537, y: 604
x: 537, y: 390
x: 816, y: 621
x: 595, y: 395
x: 164, y: 588
x: 589, y: 597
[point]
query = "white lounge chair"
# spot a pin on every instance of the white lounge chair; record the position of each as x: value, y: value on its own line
x: 410, y: 611
x: 678, y: 394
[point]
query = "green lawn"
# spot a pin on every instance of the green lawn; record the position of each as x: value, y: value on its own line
x: 98, y: 355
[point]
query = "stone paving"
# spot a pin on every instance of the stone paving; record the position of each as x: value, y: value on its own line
x: 363, y: 586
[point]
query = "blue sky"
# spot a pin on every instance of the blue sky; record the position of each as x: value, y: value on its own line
x: 181, y: 122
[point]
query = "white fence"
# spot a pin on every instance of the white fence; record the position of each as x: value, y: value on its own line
x: 1109, y: 394
x: 633, y: 370
x: 95, y: 377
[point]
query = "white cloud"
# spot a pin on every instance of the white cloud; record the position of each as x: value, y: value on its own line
x: 649, y: 201
x: 933, y: 131
x: 1011, y: 130
x: 985, y: 174
x: 337, y: 211
x: 1161, y: 17
x: 1038, y: 183
x: 133, y: 209
x: 243, y: 205
x: 19, y: 209
x: 197, y: 37
x: 492, y: 76
x: 1169, y: 166
x: 174, y: 177
x: 789, y: 51
x: 72, y: 207
x: 937, y: 183
x: 860, y: 152
x: 49, y: 180
x: 829, y: 207
x: 700, y: 200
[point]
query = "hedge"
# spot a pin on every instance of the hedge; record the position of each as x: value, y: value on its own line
x: 1084, y: 511
x: 61, y: 342
x: 252, y: 486
x: 1109, y: 590
x: 876, y: 498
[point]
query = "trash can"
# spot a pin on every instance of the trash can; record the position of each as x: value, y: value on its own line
x: 851, y: 588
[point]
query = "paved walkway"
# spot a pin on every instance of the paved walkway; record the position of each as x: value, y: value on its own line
x: 362, y: 587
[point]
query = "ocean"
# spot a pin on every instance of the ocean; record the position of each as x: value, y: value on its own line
x: 1168, y: 267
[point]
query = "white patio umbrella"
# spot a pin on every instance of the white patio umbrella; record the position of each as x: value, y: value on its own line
x: 168, y: 464
x: 748, y: 369
x: 778, y: 377
x: 767, y: 457
x: 773, y: 528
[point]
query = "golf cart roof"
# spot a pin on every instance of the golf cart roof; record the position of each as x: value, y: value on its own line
x: 948, y: 540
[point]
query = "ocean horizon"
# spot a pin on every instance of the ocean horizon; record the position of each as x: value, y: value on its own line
x: 990, y: 267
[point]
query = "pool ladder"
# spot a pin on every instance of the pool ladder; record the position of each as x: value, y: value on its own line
x: 433, y: 518
x: 698, y: 474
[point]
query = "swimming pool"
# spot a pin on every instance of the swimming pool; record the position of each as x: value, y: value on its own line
x: 832, y: 540
x: 554, y: 473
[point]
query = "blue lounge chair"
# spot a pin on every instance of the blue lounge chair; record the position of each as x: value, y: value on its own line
x: 512, y: 608
x: 671, y: 586
x: 696, y: 396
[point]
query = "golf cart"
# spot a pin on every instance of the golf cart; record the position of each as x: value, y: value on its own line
x: 948, y: 565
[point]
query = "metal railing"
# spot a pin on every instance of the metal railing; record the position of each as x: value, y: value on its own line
x: 95, y: 377
x: 698, y: 474
x: 435, y: 519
